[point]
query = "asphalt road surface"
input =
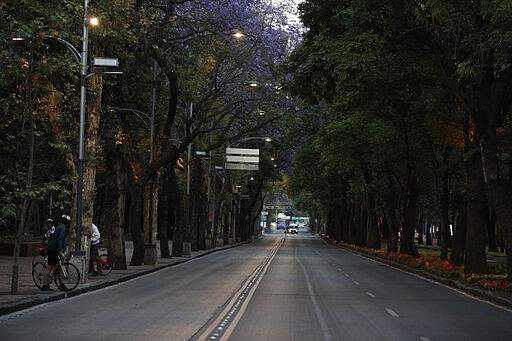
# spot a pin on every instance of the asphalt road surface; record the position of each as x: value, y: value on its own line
x: 283, y: 287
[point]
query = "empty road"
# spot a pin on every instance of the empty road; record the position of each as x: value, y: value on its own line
x: 280, y: 288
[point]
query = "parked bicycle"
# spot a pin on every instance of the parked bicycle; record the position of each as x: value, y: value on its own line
x: 104, y: 260
x: 65, y: 275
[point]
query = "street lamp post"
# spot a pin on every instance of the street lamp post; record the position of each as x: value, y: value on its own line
x: 108, y: 62
x: 81, y: 148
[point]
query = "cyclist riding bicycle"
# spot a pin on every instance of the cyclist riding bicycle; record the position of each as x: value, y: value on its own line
x: 56, y: 249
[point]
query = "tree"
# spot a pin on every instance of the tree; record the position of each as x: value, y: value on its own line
x: 197, y: 62
x: 470, y: 43
x: 28, y: 99
x: 420, y: 60
x: 209, y: 74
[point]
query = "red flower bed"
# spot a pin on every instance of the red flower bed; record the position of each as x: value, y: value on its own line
x: 489, y: 282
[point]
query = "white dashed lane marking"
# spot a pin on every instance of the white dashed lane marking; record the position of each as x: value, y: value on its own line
x: 370, y: 294
x: 391, y: 312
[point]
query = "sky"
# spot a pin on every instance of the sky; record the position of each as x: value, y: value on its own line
x: 294, y: 3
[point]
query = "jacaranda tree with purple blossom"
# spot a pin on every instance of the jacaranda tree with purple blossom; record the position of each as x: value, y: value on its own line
x: 184, y: 52
x: 209, y: 100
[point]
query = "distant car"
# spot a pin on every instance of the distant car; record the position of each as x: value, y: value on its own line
x: 281, y: 225
x: 293, y: 230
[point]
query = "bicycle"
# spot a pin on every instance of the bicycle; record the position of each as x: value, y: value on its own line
x: 69, y: 274
x: 104, y: 262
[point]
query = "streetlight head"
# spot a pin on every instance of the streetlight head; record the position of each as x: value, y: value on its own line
x: 237, y: 34
x: 268, y: 139
x: 18, y: 38
x: 254, y: 84
x: 94, y: 21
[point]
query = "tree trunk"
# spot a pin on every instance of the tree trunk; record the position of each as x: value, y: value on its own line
x: 217, y: 209
x: 176, y: 205
x: 475, y: 258
x: 499, y: 193
x: 118, y: 215
x: 389, y: 206
x: 441, y: 173
x: 196, y: 200
x: 491, y: 232
x: 364, y: 220
x: 459, y: 245
x: 331, y: 226
x: 407, y: 245
x: 150, y: 219
x: 21, y: 223
x: 445, y: 223
x: 134, y: 222
x: 420, y: 228
x: 428, y: 234
x: 165, y: 214
x: 228, y: 213
x: 30, y: 172
x: 372, y: 234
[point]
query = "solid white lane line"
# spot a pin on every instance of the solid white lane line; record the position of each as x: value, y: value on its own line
x: 229, y: 317
x: 391, y: 312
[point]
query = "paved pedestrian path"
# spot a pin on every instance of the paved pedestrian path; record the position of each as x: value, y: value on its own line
x: 29, y: 295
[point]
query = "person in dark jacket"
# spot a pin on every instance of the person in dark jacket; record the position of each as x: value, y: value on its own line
x: 56, y: 248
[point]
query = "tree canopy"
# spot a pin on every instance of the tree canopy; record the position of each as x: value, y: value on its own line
x: 414, y: 93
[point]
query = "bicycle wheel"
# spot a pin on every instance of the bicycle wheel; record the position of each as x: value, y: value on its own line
x: 105, y: 264
x: 38, y: 272
x: 67, y: 276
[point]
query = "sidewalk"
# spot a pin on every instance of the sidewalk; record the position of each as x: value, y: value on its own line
x: 29, y: 295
